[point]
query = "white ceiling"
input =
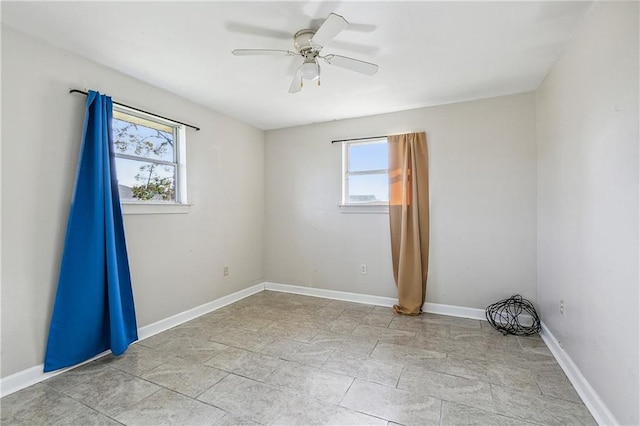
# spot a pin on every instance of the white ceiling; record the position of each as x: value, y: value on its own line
x: 429, y: 53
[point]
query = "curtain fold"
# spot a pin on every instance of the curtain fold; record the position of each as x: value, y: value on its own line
x: 409, y: 219
x: 94, y: 309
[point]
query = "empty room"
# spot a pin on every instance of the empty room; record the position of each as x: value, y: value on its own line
x: 327, y: 213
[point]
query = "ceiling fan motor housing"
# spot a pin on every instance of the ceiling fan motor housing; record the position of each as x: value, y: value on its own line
x: 302, y: 43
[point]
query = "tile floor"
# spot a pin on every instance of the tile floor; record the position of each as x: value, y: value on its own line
x: 278, y: 358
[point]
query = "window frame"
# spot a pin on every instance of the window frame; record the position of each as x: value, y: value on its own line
x: 350, y: 207
x: 180, y: 205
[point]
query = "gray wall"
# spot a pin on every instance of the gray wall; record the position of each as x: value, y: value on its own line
x: 587, y: 110
x: 483, y: 204
x: 176, y: 259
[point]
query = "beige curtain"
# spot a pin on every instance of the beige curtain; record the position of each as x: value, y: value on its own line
x: 409, y: 219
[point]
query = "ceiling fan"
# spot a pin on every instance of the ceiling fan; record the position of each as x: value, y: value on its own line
x: 308, y: 45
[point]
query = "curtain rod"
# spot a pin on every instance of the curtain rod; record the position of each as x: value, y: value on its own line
x: 359, y: 139
x: 139, y: 110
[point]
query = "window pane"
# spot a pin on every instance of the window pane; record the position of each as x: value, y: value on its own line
x: 368, y: 156
x: 368, y: 189
x: 134, y: 138
x: 145, y: 181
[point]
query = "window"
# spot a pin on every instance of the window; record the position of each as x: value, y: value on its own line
x: 150, y: 158
x: 364, y: 168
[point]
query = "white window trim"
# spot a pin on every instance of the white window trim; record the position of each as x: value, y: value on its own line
x: 179, y: 207
x: 359, y: 208
x: 132, y: 208
x: 364, y: 208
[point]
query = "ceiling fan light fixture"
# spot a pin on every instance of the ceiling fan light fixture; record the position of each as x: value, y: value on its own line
x: 310, y: 70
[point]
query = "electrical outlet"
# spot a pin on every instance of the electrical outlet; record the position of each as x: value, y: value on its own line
x: 561, y: 307
x: 225, y: 271
x: 363, y: 269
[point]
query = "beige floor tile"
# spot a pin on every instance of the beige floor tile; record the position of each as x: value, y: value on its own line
x: 554, y: 383
x: 344, y: 342
x: 112, y: 392
x: 384, y: 334
x: 315, y: 412
x: 534, y: 344
x: 161, y: 339
x: 479, y: 336
x: 314, y: 313
x: 304, y: 353
x: 212, y: 317
x: 72, y: 378
x: 407, y: 408
x: 492, y: 372
x: 462, y: 415
x: 446, y: 387
x: 138, y: 359
x: 414, y: 324
x: 364, y: 367
x: 203, y: 321
x: 453, y: 321
x: 409, y: 355
x: 349, y: 306
x: 399, y: 363
x: 244, y: 322
x: 345, y: 325
x: 190, y: 379
x: 233, y: 420
x: 477, y: 350
x: 253, y: 365
x: 43, y: 405
x: 539, y: 409
x: 384, y: 310
x: 290, y: 331
x: 376, y: 319
x: 243, y: 339
x: 536, y: 362
x: 311, y: 382
x: 170, y: 408
x: 190, y: 348
x: 250, y: 399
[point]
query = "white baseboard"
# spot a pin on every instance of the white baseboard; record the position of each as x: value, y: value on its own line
x: 433, y: 308
x: 454, y: 311
x: 331, y: 294
x: 591, y: 399
x: 35, y: 374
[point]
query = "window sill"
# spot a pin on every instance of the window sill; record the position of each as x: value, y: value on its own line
x: 155, y: 208
x: 364, y: 209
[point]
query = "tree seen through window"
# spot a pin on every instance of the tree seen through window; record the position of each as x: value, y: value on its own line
x: 145, y: 154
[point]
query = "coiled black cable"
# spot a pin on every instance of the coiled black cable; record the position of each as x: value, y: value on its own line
x: 504, y: 316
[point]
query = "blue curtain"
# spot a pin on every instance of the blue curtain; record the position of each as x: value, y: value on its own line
x: 94, y: 309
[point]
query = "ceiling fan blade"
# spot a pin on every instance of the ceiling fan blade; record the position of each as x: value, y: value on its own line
x: 294, y: 66
x: 251, y: 52
x: 296, y: 83
x: 329, y: 29
x: 359, y: 48
x: 351, y: 64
